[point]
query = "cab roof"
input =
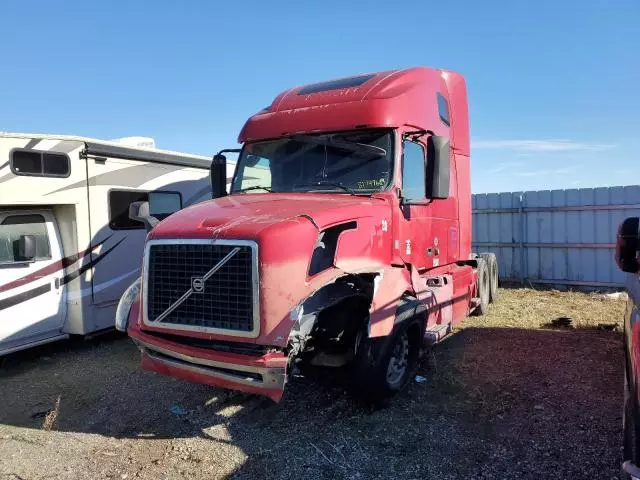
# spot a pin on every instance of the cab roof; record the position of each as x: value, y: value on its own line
x: 389, y: 99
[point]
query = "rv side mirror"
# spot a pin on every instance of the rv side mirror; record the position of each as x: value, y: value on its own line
x: 219, y: 176
x: 140, y: 212
x: 438, y: 169
x: 26, y: 248
x: 628, y: 245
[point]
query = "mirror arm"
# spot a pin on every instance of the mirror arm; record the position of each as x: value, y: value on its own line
x: 229, y: 150
x: 415, y: 135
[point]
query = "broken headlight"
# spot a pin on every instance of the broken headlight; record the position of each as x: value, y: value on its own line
x: 124, y: 305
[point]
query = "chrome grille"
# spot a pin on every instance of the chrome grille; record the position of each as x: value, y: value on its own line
x: 227, y: 301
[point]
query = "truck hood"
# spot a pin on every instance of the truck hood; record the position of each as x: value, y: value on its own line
x: 246, y: 215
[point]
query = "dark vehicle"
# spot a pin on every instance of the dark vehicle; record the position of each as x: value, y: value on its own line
x: 628, y: 247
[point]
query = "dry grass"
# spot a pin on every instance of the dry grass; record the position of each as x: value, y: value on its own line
x: 504, y: 398
x: 529, y: 308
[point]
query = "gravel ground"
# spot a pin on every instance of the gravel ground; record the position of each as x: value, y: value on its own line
x: 504, y: 397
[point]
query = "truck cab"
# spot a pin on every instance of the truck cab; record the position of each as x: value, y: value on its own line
x: 344, y: 241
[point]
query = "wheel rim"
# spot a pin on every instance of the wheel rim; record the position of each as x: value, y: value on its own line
x: 399, y: 361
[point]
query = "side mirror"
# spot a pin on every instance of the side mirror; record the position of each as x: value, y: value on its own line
x: 438, y: 167
x: 219, y: 176
x: 140, y: 212
x: 628, y: 245
x: 26, y: 251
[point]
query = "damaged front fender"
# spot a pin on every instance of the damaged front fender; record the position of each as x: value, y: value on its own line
x: 331, y: 317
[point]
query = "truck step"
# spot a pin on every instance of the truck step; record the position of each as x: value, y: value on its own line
x: 434, y: 333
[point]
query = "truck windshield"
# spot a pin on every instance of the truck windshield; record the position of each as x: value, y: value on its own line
x: 347, y: 162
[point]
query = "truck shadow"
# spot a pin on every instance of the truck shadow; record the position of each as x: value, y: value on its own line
x: 489, y: 394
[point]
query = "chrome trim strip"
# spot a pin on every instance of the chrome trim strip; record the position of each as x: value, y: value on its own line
x: 271, y: 377
x: 255, y: 280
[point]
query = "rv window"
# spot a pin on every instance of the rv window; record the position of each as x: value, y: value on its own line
x: 40, y: 164
x: 163, y: 204
x: 13, y: 227
x: 55, y: 165
x: 26, y: 163
x: 119, y: 201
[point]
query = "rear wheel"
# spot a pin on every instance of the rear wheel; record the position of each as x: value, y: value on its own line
x: 384, y: 366
x: 492, y: 264
x: 483, y: 288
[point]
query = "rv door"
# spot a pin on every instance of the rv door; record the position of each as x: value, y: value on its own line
x: 32, y: 292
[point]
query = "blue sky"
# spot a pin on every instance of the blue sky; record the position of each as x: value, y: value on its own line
x: 553, y: 85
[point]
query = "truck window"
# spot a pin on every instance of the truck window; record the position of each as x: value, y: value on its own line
x: 40, y: 164
x: 413, y: 180
x: 443, y: 109
x: 255, y: 171
x: 13, y: 227
x: 360, y: 162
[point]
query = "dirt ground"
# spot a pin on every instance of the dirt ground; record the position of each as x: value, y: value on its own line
x: 504, y: 397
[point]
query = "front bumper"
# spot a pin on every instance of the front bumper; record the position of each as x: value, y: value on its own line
x: 262, y: 375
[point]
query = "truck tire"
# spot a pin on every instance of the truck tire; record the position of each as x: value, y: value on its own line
x: 484, y: 288
x: 383, y: 366
x: 492, y: 263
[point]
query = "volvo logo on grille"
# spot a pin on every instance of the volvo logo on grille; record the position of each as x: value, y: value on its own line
x: 197, y: 284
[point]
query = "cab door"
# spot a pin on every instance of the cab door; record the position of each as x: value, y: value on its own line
x: 421, y: 239
x: 428, y: 226
x: 32, y: 294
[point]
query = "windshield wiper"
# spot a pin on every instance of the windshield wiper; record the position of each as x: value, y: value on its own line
x: 331, y: 141
x: 329, y: 184
x: 255, y: 187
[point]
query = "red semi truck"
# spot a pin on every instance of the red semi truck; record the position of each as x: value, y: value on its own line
x: 345, y: 241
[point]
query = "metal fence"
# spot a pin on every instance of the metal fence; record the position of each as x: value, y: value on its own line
x: 557, y: 237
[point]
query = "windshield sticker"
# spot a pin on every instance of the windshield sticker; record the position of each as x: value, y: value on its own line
x: 371, y: 183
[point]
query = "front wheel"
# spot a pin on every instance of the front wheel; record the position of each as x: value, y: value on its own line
x: 384, y: 366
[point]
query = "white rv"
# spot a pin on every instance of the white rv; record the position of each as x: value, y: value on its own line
x: 68, y: 248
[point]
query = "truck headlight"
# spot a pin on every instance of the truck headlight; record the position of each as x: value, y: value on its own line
x: 124, y: 305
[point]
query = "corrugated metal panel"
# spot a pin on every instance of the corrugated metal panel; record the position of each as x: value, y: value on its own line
x: 563, y: 237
